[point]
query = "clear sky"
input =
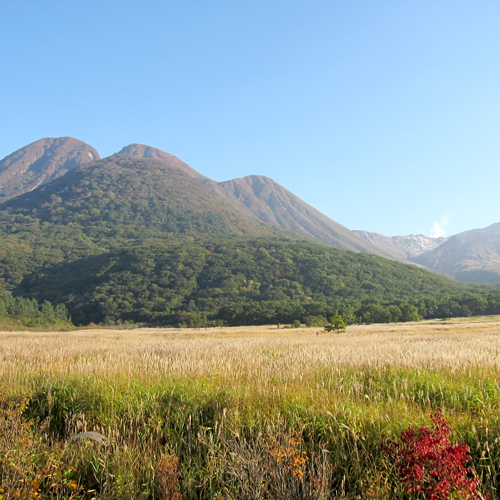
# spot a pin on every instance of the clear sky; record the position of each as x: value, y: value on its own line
x: 384, y: 115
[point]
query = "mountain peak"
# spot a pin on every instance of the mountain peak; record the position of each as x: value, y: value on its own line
x: 149, y: 152
x: 403, y: 248
x: 40, y: 162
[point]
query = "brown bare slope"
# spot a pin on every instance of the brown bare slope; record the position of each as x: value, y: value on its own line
x: 269, y: 202
x: 40, y: 162
x: 470, y: 257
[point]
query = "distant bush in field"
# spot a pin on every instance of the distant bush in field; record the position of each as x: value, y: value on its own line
x: 315, y: 321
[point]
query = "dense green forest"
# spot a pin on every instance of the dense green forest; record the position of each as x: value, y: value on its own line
x: 21, y: 311
x: 255, y: 281
x: 128, y: 239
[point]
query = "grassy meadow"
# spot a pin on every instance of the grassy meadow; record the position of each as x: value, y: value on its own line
x: 248, y: 412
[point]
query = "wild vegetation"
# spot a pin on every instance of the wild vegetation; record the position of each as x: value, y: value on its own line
x: 242, y: 412
x: 253, y: 281
x: 19, y: 312
x: 138, y: 240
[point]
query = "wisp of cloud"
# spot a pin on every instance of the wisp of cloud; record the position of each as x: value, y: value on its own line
x: 439, y: 227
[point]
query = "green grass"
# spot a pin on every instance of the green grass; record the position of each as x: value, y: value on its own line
x: 223, y: 424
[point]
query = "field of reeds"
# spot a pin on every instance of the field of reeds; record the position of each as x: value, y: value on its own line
x: 240, y: 413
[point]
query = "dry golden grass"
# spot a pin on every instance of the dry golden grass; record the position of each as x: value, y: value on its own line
x: 264, y: 352
x: 217, y: 393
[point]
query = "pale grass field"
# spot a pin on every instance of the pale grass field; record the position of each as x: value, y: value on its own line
x: 265, y: 352
x: 200, y: 390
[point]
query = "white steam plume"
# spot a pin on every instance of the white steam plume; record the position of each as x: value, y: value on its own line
x: 439, y: 227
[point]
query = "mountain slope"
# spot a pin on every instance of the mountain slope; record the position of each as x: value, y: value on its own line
x: 129, y: 195
x: 40, y: 162
x: 269, y: 202
x: 470, y: 257
x: 404, y: 248
x: 265, y: 200
x: 255, y: 281
x: 143, y: 151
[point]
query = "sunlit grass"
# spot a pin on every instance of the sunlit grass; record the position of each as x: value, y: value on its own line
x: 205, y: 395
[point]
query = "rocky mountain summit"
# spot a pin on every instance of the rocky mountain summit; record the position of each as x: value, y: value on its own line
x: 40, y: 162
x: 404, y: 248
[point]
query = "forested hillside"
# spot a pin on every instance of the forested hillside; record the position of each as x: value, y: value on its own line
x: 253, y: 281
x: 127, y: 197
x: 140, y: 240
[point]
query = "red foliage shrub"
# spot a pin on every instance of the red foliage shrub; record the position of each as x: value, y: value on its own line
x: 429, y: 465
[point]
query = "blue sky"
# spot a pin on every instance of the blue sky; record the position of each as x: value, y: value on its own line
x: 383, y: 115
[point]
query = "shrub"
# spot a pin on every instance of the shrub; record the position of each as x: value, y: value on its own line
x: 428, y: 464
x: 336, y: 323
x: 315, y: 321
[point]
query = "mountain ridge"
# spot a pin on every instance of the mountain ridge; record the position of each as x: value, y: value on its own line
x: 471, y: 256
x: 404, y: 248
x: 271, y: 203
x: 139, y: 193
x: 40, y: 162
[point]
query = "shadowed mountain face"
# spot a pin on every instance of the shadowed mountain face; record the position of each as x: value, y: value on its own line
x: 404, y: 248
x: 470, y: 257
x: 41, y: 162
x: 269, y: 202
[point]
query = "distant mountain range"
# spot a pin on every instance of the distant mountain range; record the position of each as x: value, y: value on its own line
x: 145, y: 187
x: 471, y: 257
x: 404, y: 248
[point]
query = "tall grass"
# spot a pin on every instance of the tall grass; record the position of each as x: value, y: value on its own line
x: 253, y: 413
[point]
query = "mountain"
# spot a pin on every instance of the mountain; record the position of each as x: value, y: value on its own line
x: 128, y: 195
x: 271, y: 203
x: 41, y: 162
x: 403, y: 248
x: 143, y: 151
x: 266, y: 201
x: 138, y: 238
x: 256, y: 197
x: 470, y: 257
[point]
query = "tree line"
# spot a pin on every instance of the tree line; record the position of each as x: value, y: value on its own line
x: 249, y: 281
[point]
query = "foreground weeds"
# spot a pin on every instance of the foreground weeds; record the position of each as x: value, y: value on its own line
x: 146, y: 414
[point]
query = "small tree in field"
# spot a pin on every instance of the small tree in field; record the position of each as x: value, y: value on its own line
x: 336, y: 323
